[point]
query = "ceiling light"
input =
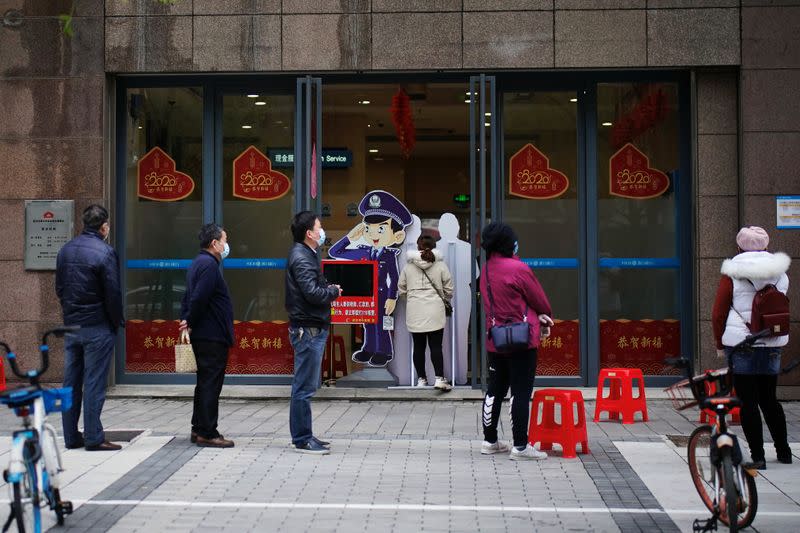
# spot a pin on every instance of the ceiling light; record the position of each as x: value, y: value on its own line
x: 369, y: 125
x: 373, y: 150
x: 573, y: 100
x: 247, y: 127
x: 488, y: 114
x: 140, y: 127
x: 607, y: 124
x: 252, y: 96
x: 467, y: 101
x: 377, y: 159
x: 261, y: 103
x: 364, y: 102
x: 487, y: 124
x: 278, y: 122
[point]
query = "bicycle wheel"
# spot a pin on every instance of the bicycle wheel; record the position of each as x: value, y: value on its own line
x: 729, y: 502
x: 703, y: 472
x: 23, y: 505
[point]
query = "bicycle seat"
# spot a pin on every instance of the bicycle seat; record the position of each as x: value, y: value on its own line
x: 727, y: 402
x: 20, y: 397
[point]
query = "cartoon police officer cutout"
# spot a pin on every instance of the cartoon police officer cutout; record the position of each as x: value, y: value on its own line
x: 376, y: 238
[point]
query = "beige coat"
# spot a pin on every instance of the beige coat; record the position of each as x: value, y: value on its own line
x: 425, y: 310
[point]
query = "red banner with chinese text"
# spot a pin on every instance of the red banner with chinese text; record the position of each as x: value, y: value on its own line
x: 630, y: 175
x: 530, y: 175
x: 259, y: 347
x: 254, y: 179
x: 559, y: 354
x: 157, y: 178
x: 640, y: 344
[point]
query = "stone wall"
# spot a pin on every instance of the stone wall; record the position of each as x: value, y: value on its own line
x: 51, y: 145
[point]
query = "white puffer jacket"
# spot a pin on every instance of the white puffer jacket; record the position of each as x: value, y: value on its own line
x: 760, y: 268
x: 425, y: 310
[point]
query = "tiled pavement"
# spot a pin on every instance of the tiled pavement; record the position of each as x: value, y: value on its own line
x: 396, y: 466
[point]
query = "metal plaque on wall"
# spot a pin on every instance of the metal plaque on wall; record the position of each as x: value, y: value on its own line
x: 48, y: 227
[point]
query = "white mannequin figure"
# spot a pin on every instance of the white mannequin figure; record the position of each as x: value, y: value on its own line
x: 460, y: 268
x: 400, y: 366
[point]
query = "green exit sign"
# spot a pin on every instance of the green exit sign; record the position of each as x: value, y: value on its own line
x: 461, y: 200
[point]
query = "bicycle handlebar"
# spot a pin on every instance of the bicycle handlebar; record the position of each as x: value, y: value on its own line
x: 44, y: 349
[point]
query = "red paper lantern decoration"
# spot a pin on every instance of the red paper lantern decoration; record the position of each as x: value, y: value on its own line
x: 403, y: 121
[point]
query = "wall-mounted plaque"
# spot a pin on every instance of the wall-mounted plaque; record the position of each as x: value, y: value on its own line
x: 48, y: 227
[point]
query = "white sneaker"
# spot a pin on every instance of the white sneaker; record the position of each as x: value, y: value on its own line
x: 442, y: 384
x: 422, y: 382
x: 491, y: 448
x: 528, y: 454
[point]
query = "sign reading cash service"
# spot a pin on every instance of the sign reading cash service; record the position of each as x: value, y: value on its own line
x: 48, y: 227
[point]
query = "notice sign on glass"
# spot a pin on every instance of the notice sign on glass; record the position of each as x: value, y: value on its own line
x: 788, y: 211
x: 358, y: 303
x: 48, y: 227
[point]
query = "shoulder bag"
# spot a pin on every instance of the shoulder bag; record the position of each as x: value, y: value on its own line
x: 448, y: 307
x: 510, y: 336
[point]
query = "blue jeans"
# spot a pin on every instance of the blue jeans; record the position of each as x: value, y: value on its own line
x: 86, y: 363
x: 760, y: 360
x: 309, y: 347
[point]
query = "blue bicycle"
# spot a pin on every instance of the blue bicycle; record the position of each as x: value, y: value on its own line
x: 33, y: 470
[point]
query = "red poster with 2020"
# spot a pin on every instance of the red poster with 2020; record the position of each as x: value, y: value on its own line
x: 159, y: 180
x: 530, y: 175
x: 630, y: 175
x: 254, y: 179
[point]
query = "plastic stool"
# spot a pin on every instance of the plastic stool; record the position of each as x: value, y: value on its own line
x: 620, y: 400
x: 710, y: 417
x: 569, y: 432
x: 335, y: 344
x: 2, y: 377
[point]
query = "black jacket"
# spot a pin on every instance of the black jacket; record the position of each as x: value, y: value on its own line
x: 207, y: 306
x: 87, y: 282
x: 308, y: 294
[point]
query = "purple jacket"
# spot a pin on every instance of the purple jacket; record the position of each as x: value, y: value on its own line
x: 514, y: 286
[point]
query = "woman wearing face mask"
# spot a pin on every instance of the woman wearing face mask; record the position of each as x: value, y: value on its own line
x: 427, y: 284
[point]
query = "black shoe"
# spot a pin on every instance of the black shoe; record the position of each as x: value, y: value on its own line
x: 312, y: 447
x: 361, y: 357
x: 324, y: 443
x: 77, y: 444
x: 755, y: 465
x: 193, y: 437
x: 379, y: 359
x: 785, y: 458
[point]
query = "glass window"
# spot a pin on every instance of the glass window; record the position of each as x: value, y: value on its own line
x: 638, y: 160
x: 541, y: 203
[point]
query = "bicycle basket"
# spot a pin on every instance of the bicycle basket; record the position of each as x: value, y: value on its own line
x: 57, y: 400
x: 680, y: 394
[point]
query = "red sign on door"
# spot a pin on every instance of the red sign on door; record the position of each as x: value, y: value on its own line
x: 254, y: 179
x: 159, y: 180
x: 531, y: 176
x: 630, y: 175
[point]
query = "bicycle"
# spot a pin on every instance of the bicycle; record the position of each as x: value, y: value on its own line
x: 715, y: 457
x: 35, y: 463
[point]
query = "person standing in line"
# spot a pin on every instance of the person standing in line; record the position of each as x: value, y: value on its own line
x: 88, y: 287
x: 427, y: 284
x: 207, y: 313
x: 755, y: 371
x: 515, y: 293
x: 308, y: 303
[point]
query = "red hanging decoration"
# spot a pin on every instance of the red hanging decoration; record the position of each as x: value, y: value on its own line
x: 403, y: 121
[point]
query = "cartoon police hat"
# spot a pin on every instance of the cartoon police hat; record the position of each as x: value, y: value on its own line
x: 386, y: 205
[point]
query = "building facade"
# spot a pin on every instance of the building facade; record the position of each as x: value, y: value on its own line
x: 626, y: 140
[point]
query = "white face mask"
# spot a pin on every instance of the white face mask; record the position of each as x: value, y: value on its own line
x: 321, y: 239
x: 226, y: 250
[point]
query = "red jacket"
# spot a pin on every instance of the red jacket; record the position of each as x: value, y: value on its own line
x: 514, y: 286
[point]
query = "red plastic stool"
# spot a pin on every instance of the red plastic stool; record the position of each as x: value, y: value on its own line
x: 2, y: 377
x: 569, y: 432
x: 334, y: 348
x: 620, y: 400
x: 710, y: 417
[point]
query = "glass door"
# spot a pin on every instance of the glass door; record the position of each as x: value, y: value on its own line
x: 542, y: 198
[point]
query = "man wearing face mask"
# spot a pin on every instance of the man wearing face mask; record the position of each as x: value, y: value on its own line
x: 207, y: 312
x: 87, y: 285
x: 308, y: 302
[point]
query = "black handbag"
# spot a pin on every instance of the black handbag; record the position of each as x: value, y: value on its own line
x: 510, y: 336
x: 448, y: 307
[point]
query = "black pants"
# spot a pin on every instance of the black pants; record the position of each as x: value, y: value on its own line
x: 434, y: 340
x: 212, y: 357
x: 518, y: 371
x: 759, y: 390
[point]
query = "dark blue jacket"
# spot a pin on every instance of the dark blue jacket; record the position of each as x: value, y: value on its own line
x: 87, y: 282
x: 207, y: 306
